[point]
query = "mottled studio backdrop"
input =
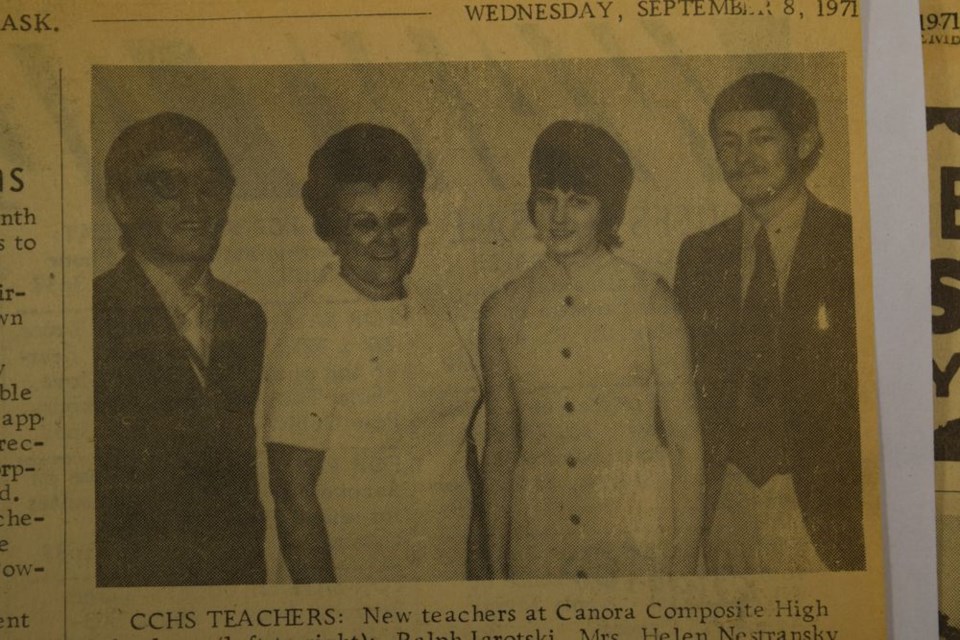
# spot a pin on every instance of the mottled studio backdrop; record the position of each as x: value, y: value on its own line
x: 473, y: 124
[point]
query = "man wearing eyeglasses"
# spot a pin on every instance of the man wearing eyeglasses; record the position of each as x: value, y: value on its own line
x: 177, y: 361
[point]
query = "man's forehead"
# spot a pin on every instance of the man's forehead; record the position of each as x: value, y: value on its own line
x: 193, y: 159
x: 741, y: 120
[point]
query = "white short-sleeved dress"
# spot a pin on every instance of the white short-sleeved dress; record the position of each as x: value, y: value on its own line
x: 592, y: 490
x: 386, y: 390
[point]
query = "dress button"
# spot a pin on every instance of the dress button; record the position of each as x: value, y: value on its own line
x: 571, y: 461
x: 568, y: 406
x: 581, y: 573
x: 575, y: 519
x: 565, y: 352
x: 568, y: 301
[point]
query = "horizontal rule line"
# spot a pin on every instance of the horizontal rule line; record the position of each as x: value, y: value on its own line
x: 393, y: 14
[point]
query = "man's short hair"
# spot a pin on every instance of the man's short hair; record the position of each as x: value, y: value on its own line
x: 794, y: 106
x: 162, y: 132
x: 166, y: 131
x: 362, y: 153
x: 584, y: 158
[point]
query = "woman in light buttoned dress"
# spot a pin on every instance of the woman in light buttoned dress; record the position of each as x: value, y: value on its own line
x: 593, y: 465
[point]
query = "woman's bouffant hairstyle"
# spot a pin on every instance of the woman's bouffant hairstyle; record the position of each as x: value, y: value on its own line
x: 581, y: 157
x: 795, y: 109
x: 362, y: 153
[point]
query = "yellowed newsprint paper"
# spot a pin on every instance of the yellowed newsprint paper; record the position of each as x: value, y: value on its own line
x: 437, y: 321
x: 941, y: 55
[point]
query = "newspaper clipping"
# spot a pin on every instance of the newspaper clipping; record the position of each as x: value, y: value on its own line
x: 455, y: 321
x: 940, y: 29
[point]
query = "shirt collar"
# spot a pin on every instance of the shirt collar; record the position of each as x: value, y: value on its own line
x: 583, y: 273
x: 787, y: 219
x: 336, y: 289
x: 178, y: 301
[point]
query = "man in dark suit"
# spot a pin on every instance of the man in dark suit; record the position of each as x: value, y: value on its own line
x: 768, y: 295
x: 177, y: 362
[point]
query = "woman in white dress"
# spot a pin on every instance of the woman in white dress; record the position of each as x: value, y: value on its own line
x: 370, y: 389
x: 580, y: 355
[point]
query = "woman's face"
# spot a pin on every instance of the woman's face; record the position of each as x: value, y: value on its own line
x: 566, y: 221
x: 378, y: 242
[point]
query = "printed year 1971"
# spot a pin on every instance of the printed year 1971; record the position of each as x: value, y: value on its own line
x: 943, y: 21
x: 825, y: 8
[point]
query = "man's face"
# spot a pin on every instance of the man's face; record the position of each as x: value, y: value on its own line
x: 756, y: 154
x: 377, y: 243
x: 175, y: 205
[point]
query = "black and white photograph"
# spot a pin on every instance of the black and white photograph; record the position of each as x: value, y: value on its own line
x: 478, y: 320
x: 948, y: 564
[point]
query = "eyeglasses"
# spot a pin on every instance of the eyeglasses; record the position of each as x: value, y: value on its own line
x: 173, y: 184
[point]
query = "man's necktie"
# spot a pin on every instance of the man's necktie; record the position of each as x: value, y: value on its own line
x: 196, y: 331
x: 758, y: 443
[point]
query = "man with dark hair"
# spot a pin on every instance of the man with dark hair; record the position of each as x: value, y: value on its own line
x: 177, y: 361
x: 768, y: 296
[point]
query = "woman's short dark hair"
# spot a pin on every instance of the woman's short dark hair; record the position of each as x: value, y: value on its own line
x: 581, y: 157
x: 794, y: 107
x: 362, y: 153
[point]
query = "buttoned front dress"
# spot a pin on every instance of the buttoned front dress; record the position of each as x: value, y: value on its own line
x: 386, y: 390
x: 592, y: 489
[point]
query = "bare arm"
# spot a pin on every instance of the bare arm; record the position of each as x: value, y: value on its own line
x: 502, y: 438
x: 678, y: 406
x: 303, y: 535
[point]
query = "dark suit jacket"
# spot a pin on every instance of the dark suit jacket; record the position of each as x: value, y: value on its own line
x: 819, y: 369
x: 176, y: 487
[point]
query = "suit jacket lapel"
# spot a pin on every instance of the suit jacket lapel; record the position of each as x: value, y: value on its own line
x: 151, y: 332
x: 223, y: 336
x: 807, y: 259
x: 725, y: 359
x: 719, y: 360
x: 731, y: 279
